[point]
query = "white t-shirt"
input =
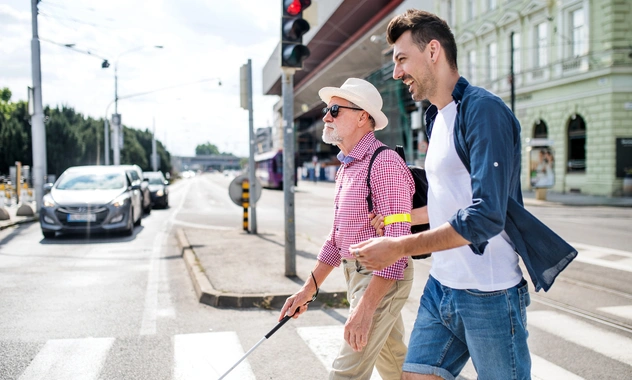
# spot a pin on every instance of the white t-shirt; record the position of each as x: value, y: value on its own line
x: 450, y: 189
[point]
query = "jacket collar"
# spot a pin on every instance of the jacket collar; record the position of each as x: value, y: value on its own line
x: 457, y: 95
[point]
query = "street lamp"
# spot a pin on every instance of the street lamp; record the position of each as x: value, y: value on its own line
x: 117, y: 129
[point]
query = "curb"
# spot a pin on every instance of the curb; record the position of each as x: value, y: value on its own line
x: 29, y: 219
x: 208, y: 295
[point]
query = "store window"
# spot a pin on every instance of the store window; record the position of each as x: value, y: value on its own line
x: 576, y: 144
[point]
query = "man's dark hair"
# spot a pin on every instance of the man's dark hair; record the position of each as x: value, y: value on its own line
x: 424, y: 27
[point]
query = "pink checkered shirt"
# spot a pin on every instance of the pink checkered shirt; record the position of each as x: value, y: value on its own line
x: 392, y: 187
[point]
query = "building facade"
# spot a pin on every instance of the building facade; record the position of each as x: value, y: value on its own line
x: 571, y: 85
x: 572, y: 80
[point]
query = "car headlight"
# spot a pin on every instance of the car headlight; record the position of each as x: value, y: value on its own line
x: 121, y: 200
x: 160, y: 193
x: 48, y: 201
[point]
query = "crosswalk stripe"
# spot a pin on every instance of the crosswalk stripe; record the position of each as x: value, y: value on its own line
x: 208, y: 355
x: 69, y: 359
x: 542, y: 369
x: 325, y: 341
x: 619, y: 311
x: 583, y: 334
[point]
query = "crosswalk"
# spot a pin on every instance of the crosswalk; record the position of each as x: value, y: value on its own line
x: 208, y: 355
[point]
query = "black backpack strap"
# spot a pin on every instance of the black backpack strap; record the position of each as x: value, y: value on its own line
x: 369, y: 198
x: 400, y: 150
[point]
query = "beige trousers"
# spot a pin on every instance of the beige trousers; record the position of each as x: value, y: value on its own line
x: 386, y: 349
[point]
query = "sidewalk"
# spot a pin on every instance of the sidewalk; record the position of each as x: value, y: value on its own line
x: 231, y: 268
x: 13, y: 219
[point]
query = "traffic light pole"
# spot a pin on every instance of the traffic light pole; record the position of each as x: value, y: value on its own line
x: 289, y: 171
x: 251, y: 157
x: 38, y: 131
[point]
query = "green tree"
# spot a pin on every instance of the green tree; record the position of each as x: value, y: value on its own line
x: 64, y: 146
x: 206, y: 149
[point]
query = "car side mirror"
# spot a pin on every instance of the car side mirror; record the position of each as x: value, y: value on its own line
x: 135, y: 187
x: 47, y: 187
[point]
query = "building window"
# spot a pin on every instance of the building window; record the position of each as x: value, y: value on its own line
x: 492, y: 63
x: 471, y: 66
x: 578, y: 33
x: 576, y: 144
x: 540, y: 131
x: 470, y: 10
x: 491, y: 4
x: 516, y: 53
x: 541, y: 58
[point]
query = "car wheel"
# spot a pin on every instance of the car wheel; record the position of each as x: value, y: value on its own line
x: 138, y: 222
x: 48, y: 234
x: 129, y: 231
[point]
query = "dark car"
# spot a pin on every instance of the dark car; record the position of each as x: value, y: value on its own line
x: 137, y: 175
x: 91, y: 199
x: 158, y: 188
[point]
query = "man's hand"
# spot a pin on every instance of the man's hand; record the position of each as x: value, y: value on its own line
x: 377, y: 222
x: 296, y: 304
x: 357, y: 328
x: 377, y: 253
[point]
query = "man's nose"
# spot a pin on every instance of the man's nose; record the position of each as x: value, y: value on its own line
x: 397, y: 72
x: 327, y: 118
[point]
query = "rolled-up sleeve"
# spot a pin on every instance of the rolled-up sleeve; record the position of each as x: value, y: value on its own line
x: 393, y: 187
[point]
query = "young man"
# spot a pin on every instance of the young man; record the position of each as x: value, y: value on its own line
x: 474, y: 303
x: 374, y: 331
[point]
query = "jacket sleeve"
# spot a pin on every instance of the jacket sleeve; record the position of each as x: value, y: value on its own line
x: 490, y: 144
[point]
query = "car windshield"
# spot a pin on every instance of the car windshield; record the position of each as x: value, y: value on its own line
x: 155, y: 180
x: 91, y: 181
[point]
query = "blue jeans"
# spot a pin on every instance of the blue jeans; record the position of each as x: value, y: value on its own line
x: 455, y: 324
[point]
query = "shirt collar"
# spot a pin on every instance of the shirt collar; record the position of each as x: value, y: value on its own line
x: 358, y: 151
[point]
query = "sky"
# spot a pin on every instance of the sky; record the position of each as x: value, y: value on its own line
x: 204, y: 42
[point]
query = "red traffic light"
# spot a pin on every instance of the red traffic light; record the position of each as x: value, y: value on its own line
x: 295, y: 7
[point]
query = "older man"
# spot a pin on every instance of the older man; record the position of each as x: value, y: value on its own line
x: 374, y: 330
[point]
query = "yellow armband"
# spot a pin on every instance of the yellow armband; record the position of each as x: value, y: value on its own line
x: 396, y: 218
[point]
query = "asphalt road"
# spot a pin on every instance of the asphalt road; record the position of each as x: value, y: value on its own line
x: 113, y: 307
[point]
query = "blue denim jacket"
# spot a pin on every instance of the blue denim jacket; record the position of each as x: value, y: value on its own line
x: 487, y: 140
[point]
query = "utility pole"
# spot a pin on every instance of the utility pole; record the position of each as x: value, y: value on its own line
x: 288, y: 171
x: 511, y: 74
x: 38, y: 130
x: 246, y: 103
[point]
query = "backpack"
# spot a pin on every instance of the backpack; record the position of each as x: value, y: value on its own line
x: 420, y: 198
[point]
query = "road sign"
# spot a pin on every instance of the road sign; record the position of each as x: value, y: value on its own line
x: 235, y: 190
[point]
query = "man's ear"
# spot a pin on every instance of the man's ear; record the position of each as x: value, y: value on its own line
x: 434, y: 48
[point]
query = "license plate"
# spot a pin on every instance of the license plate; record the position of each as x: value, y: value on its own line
x: 82, y: 217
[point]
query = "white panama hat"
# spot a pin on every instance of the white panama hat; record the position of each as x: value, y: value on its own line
x: 361, y: 93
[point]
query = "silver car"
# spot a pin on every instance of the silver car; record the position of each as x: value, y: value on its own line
x: 91, y: 199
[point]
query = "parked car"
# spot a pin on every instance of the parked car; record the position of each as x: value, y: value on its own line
x: 89, y: 199
x: 158, y: 188
x: 137, y: 175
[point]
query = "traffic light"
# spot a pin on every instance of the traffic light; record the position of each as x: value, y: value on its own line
x: 293, y: 27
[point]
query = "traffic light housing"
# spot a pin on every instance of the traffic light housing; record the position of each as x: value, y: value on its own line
x: 293, y: 27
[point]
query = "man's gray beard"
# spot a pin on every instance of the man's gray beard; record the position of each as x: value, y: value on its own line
x: 332, y: 138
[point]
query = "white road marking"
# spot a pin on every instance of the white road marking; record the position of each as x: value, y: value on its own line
x: 583, y: 334
x: 69, y: 359
x: 590, y: 254
x: 619, y: 311
x: 208, y: 355
x: 325, y: 341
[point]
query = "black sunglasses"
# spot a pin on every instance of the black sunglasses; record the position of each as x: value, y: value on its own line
x: 334, y: 109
